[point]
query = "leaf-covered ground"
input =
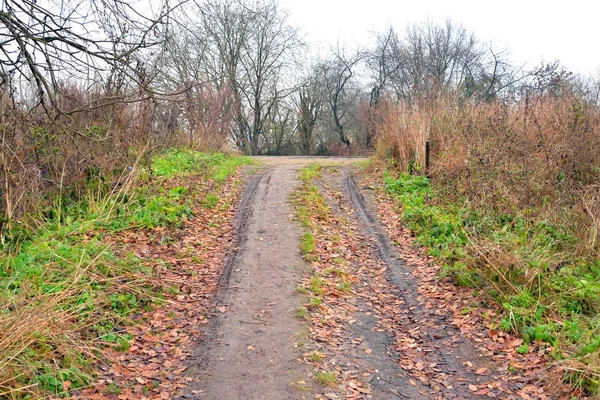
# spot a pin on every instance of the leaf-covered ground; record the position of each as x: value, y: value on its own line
x: 444, y: 339
x: 188, y: 260
x: 102, y: 297
x: 519, y: 371
x: 379, y: 321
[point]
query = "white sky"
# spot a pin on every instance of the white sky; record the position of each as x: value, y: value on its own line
x: 531, y: 30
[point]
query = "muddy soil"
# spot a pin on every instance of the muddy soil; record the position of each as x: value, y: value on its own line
x: 250, y: 349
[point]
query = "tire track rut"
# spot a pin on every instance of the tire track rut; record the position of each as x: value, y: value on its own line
x: 442, y: 345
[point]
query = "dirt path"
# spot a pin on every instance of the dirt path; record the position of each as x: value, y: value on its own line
x: 380, y: 338
x: 250, y: 348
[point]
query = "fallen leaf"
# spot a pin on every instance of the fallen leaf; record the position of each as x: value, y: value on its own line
x: 481, y: 370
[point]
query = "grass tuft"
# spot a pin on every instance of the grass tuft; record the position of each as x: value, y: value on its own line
x: 307, y: 243
x: 325, y: 378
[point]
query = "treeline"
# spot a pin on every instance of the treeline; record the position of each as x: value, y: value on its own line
x: 285, y: 101
x: 86, y: 89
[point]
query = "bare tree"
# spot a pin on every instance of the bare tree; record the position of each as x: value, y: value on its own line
x: 384, y: 62
x: 182, y: 63
x: 310, y: 100
x: 432, y: 59
x: 338, y: 74
x: 268, y: 53
x: 99, y: 42
x: 248, y: 47
x: 280, y: 129
x: 223, y: 30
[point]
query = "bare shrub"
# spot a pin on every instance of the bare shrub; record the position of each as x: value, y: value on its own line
x: 519, y: 185
x: 590, y: 213
x: 211, y: 117
x: 41, y: 155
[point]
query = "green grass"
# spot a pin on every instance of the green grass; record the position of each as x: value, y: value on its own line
x: 316, y: 285
x: 307, y: 243
x: 68, y: 292
x: 182, y: 162
x: 335, y: 270
x: 300, y: 289
x: 311, y: 207
x: 313, y: 212
x: 210, y: 201
x: 310, y: 172
x: 326, y: 378
x: 67, y: 275
x: 344, y: 286
x: 531, y: 267
x: 302, y: 312
x: 316, y: 302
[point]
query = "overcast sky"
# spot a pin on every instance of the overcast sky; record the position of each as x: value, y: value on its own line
x: 531, y: 30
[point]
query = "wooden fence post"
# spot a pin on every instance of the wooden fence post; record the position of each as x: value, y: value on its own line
x: 427, y: 154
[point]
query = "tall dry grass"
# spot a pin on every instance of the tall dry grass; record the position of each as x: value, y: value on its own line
x: 50, y: 335
x: 541, y: 155
x: 51, y: 164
